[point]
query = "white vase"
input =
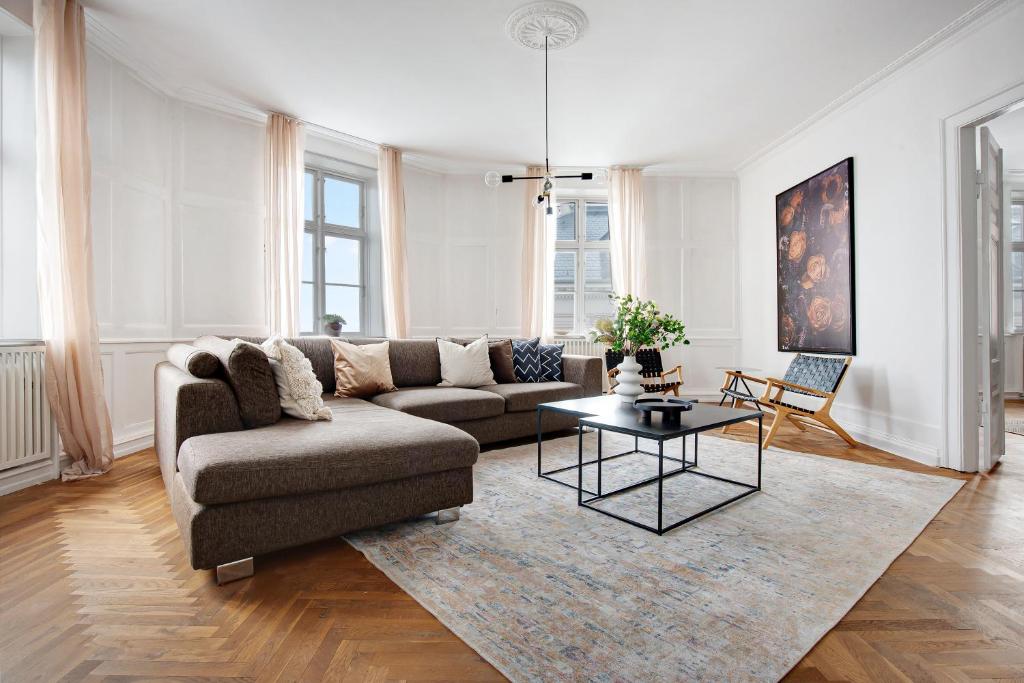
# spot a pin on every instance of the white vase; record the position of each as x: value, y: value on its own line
x: 629, y: 380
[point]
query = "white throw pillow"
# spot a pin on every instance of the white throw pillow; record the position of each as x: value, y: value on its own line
x: 297, y: 386
x: 465, y: 366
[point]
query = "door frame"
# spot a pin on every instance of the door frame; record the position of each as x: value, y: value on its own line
x: 959, y: 250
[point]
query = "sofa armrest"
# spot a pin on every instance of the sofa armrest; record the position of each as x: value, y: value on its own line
x: 187, y: 406
x: 586, y: 371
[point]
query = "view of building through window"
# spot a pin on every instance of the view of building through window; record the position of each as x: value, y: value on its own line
x: 583, y: 269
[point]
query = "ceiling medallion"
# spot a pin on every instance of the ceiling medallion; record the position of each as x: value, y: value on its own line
x: 545, y: 26
x: 561, y: 23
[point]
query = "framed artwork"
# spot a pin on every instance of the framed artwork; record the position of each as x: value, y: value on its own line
x: 814, y: 257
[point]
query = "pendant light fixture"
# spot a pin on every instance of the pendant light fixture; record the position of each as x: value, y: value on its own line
x: 543, y: 25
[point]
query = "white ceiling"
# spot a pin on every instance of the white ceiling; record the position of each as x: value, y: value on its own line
x: 694, y: 84
x: 1008, y: 131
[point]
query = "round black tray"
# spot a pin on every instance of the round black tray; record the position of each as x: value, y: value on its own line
x: 671, y: 409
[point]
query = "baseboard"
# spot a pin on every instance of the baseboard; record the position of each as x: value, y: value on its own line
x: 923, y: 453
x: 19, y: 478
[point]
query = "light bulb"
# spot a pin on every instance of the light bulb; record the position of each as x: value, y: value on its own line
x: 492, y: 179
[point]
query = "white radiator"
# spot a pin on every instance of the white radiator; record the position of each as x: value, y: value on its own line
x: 26, y: 428
x: 581, y: 346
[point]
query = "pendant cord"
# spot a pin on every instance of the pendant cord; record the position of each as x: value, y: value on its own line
x: 547, y: 163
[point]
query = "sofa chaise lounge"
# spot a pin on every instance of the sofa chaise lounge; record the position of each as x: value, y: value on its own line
x: 237, y: 493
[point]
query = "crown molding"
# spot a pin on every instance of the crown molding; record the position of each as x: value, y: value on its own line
x: 970, y: 19
x: 111, y: 45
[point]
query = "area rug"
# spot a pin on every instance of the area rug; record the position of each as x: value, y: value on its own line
x: 546, y: 590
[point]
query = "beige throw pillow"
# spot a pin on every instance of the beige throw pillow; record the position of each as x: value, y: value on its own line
x: 465, y: 366
x: 361, y: 371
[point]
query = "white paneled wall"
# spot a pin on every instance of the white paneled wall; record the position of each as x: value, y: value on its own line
x: 464, y: 254
x: 465, y: 246
x: 692, y: 257
x: 177, y: 232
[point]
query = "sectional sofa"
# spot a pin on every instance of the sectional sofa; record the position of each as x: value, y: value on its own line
x: 237, y: 492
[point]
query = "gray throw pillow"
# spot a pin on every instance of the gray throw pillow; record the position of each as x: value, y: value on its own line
x: 195, y: 362
x: 248, y: 372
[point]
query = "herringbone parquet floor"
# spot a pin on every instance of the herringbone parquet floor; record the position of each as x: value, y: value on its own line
x: 93, y: 586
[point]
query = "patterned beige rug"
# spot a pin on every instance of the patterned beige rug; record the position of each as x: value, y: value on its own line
x: 545, y: 590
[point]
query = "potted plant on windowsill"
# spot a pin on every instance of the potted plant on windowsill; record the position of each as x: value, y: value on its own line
x: 332, y: 324
x: 637, y: 324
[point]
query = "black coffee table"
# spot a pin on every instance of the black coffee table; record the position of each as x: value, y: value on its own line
x: 588, y: 407
x: 701, y: 418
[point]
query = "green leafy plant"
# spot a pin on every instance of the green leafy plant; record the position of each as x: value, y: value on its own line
x: 331, y: 318
x: 638, y: 324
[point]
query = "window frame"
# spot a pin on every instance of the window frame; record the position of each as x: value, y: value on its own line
x: 580, y: 245
x: 1013, y: 247
x: 320, y: 229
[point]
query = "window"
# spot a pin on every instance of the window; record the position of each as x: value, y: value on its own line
x: 333, y: 252
x: 1017, y: 265
x: 583, y: 265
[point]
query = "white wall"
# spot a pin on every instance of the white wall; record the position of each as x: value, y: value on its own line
x: 465, y: 255
x: 19, y: 317
x: 464, y: 250
x: 692, y: 262
x: 892, y: 397
x: 178, y: 227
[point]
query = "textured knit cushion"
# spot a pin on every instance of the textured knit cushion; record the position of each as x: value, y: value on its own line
x: 361, y: 371
x: 817, y: 372
x: 298, y: 389
x: 466, y: 366
x: 195, y: 362
x: 526, y: 359
x: 247, y: 370
x: 550, y: 362
x: 500, y: 351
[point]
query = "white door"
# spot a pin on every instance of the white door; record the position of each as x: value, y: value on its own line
x: 990, y: 313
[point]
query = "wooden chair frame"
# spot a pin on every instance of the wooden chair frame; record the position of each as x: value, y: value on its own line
x: 802, y: 418
x: 678, y: 370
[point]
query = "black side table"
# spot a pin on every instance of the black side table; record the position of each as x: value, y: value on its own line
x: 587, y: 407
x: 702, y: 418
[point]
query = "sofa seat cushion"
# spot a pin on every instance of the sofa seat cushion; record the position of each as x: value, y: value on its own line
x: 444, y: 404
x: 364, y: 444
x: 526, y: 395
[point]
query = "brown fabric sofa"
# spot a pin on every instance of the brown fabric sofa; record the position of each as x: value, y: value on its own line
x: 238, y: 492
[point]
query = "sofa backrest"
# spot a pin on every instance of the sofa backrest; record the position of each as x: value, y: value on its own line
x: 414, y: 362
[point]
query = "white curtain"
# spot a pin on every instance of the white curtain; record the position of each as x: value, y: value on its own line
x: 626, y: 221
x: 285, y: 192
x: 538, y: 319
x: 392, y: 241
x: 74, y: 375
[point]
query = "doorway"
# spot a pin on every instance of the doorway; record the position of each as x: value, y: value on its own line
x: 983, y: 281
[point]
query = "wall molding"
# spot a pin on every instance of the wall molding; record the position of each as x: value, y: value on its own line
x: 969, y: 20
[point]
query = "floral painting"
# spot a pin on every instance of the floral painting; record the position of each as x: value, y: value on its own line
x: 814, y: 250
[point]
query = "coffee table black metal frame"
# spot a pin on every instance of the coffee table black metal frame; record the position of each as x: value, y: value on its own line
x: 700, y: 419
x: 588, y: 407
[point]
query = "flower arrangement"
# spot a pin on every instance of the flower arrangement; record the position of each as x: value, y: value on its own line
x: 638, y: 324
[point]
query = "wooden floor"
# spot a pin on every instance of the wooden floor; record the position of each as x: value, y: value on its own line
x: 93, y: 586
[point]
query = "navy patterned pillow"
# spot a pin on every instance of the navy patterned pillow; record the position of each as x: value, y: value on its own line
x: 550, y: 362
x: 526, y: 359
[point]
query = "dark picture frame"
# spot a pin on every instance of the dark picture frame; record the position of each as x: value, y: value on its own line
x: 814, y: 256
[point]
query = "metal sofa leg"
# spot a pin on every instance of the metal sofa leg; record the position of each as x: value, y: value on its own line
x: 447, y: 516
x: 233, y: 571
